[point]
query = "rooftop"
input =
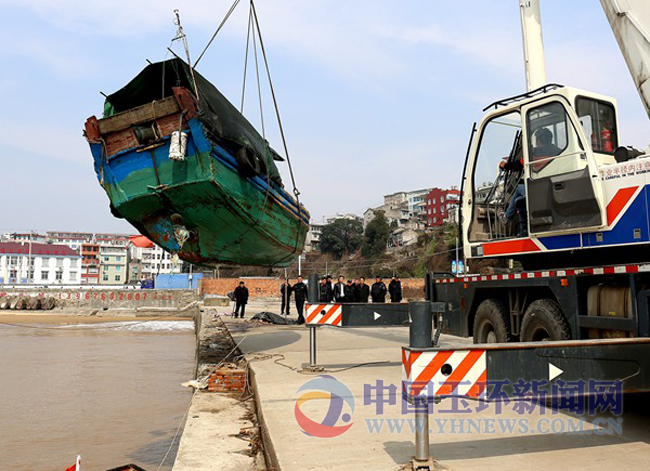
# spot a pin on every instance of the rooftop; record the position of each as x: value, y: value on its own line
x: 141, y: 242
x: 37, y: 249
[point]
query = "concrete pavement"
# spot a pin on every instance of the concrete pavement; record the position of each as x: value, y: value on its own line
x: 504, y: 440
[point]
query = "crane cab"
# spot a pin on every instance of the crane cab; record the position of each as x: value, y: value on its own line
x: 539, y: 182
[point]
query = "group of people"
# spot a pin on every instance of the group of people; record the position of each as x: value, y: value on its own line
x: 357, y: 291
x: 352, y: 291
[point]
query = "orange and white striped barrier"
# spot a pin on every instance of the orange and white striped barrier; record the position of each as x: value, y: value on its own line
x: 324, y: 314
x: 444, y: 373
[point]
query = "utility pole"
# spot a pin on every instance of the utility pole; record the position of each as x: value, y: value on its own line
x: 457, y: 264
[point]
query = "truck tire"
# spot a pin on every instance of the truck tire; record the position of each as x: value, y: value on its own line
x: 491, y: 323
x: 544, y: 320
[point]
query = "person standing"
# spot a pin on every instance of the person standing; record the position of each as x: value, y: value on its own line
x: 395, y: 290
x: 339, y: 290
x: 325, y: 294
x: 378, y: 291
x: 349, y: 292
x: 301, y: 294
x: 241, y: 299
x: 363, y: 290
x: 286, y: 290
x: 355, y: 291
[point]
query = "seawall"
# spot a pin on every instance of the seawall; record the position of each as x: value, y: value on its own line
x: 84, y: 301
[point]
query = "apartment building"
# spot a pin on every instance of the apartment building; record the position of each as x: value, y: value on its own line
x: 23, y: 237
x: 402, y: 208
x: 90, y: 264
x: 442, y: 206
x: 74, y: 240
x: 35, y: 263
x: 113, y: 261
x: 112, y: 239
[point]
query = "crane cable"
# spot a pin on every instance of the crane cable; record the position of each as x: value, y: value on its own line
x: 223, y: 22
x: 253, y: 19
x: 296, y: 192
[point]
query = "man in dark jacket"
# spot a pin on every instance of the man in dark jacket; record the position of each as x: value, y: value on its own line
x: 350, y: 292
x: 339, y: 290
x: 241, y: 299
x: 300, y: 294
x: 355, y: 291
x: 363, y: 291
x: 286, y: 290
x: 378, y: 291
x: 325, y: 294
x: 395, y: 290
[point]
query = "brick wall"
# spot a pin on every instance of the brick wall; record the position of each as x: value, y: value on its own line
x: 227, y: 380
x: 257, y: 287
x: 412, y: 288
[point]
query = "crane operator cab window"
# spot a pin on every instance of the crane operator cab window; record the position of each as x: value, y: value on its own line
x: 493, y: 186
x: 559, y: 188
x: 599, y: 122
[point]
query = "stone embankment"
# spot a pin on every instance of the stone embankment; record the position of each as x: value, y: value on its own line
x: 221, y: 431
x: 85, y: 301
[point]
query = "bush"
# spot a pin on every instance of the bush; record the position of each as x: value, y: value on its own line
x: 375, y: 238
x: 341, y: 236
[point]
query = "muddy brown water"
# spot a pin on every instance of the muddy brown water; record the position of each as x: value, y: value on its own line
x: 112, y: 395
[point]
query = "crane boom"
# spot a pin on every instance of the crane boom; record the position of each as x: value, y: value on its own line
x: 630, y: 22
x: 531, y: 30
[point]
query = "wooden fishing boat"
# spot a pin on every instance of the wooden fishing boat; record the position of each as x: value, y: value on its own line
x: 186, y: 169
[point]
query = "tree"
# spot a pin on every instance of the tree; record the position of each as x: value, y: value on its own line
x: 341, y: 236
x: 375, y: 238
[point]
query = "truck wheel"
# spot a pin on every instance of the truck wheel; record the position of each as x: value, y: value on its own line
x: 544, y: 320
x: 491, y: 323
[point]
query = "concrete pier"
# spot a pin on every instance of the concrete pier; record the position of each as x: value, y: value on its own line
x: 362, y: 358
x: 221, y: 431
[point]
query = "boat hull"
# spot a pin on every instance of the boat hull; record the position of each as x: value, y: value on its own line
x: 231, y: 218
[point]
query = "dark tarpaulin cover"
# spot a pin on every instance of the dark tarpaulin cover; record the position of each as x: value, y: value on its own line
x: 217, y: 114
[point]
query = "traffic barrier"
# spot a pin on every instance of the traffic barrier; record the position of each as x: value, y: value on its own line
x: 353, y: 315
x: 474, y: 372
x: 323, y: 314
x: 362, y: 315
x: 444, y: 373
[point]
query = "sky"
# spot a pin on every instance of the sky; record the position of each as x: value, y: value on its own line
x: 376, y: 96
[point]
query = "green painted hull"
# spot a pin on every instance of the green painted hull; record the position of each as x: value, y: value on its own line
x: 231, y: 218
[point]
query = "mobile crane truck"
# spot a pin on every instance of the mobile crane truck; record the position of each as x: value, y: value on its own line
x: 548, y: 184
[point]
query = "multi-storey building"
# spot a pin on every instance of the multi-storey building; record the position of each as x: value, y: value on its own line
x: 403, y: 208
x: 146, y: 260
x: 71, y: 239
x: 112, y: 239
x: 442, y: 206
x: 90, y: 265
x: 23, y: 237
x: 35, y: 263
x: 113, y: 261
